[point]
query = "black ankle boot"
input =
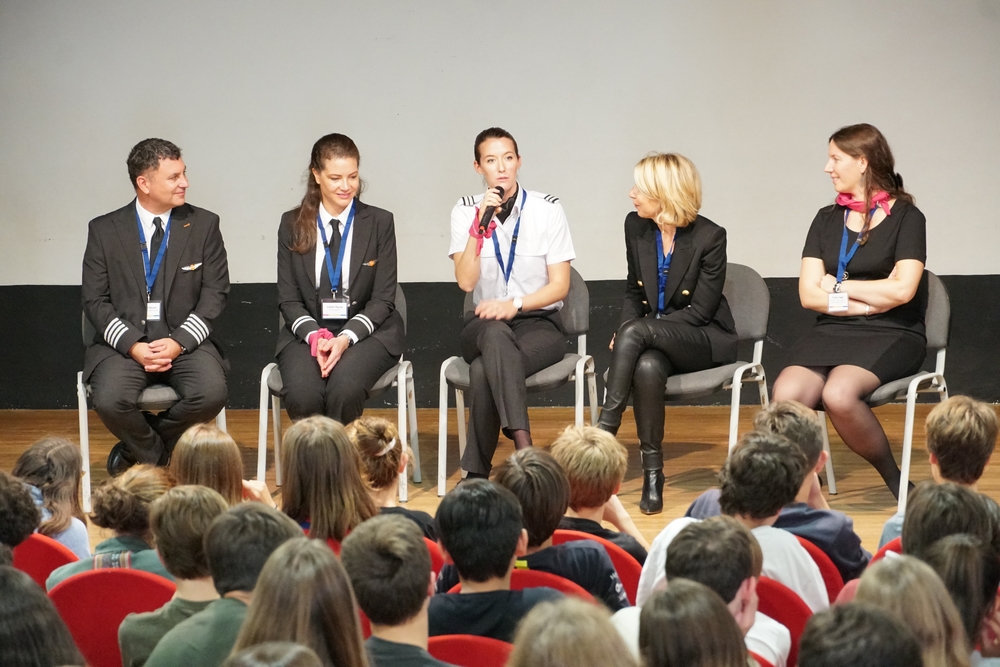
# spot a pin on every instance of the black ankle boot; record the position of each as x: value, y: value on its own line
x: 652, y: 492
x: 609, y: 421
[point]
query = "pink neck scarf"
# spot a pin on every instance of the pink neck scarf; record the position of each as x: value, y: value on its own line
x: 880, y: 199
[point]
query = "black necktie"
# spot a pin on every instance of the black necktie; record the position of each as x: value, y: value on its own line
x: 154, y: 243
x: 335, y: 245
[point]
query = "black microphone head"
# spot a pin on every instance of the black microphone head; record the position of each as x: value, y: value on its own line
x: 500, y: 190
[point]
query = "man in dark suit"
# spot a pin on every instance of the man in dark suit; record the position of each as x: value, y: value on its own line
x: 155, y: 277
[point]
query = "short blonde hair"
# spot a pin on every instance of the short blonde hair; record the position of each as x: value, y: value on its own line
x: 672, y: 181
x: 569, y: 632
x: 961, y: 434
x: 594, y: 462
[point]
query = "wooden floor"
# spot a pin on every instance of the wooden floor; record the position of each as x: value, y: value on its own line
x: 694, y: 450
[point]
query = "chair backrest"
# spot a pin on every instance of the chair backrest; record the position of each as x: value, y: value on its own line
x: 894, y: 545
x: 93, y: 604
x: 469, y: 650
x: 783, y: 605
x: 437, y: 560
x: 937, y: 318
x: 628, y: 568
x: 401, y: 304
x: 831, y: 575
x: 749, y: 300
x: 521, y: 579
x: 38, y: 555
x: 575, y: 313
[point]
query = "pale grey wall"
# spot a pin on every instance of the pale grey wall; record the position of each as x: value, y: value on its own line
x: 748, y: 90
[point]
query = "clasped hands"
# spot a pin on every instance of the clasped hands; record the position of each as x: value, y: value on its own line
x: 496, y: 309
x: 329, y: 351
x: 156, y: 357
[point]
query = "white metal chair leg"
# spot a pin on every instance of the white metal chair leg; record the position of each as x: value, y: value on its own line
x: 443, y: 426
x: 734, y: 413
x: 411, y: 407
x: 276, y: 418
x: 831, y: 481
x: 592, y: 389
x: 401, y: 425
x: 460, y: 405
x: 262, y: 423
x: 220, y: 420
x: 81, y: 399
x: 579, y: 381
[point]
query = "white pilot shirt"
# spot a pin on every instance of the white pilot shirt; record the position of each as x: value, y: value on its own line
x: 148, y: 228
x: 341, y: 219
x: 543, y: 239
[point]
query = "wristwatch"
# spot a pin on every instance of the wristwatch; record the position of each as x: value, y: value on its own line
x: 518, y: 302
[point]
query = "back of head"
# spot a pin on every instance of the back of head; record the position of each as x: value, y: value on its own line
x: 762, y: 475
x: 304, y: 596
x: 860, y: 635
x: 478, y: 524
x: 961, y: 434
x: 674, y: 629
x: 911, y: 591
x: 970, y: 570
x: 122, y: 503
x: 672, y: 181
x: 180, y: 519
x: 208, y: 456
x: 797, y: 423
x: 18, y: 515
x: 594, y: 463
x: 381, y: 452
x: 568, y: 632
x: 240, y: 541
x: 54, y: 466
x: 540, y: 486
x: 31, y: 632
x: 274, y: 654
x: 390, y: 568
x: 323, y: 483
x: 6, y: 555
x: 716, y: 552
x: 934, y: 511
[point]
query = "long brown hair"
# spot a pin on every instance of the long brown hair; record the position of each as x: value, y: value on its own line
x: 327, y: 148
x: 208, y: 456
x: 323, y: 483
x: 308, y: 588
x: 54, y: 465
x: 864, y: 140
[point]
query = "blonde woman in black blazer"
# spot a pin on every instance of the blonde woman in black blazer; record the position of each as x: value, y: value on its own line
x: 674, y: 316
x: 340, y: 335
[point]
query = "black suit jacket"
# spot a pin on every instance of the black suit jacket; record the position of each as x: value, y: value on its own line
x: 693, y: 293
x: 372, y: 291
x: 195, y: 272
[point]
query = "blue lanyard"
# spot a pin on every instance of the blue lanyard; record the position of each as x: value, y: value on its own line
x: 334, y: 273
x: 151, y: 275
x: 845, y: 256
x: 662, y: 268
x: 513, y: 243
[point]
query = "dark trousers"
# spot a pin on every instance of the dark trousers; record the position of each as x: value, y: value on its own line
x: 501, y: 354
x: 646, y: 352
x: 116, y: 383
x: 341, y: 395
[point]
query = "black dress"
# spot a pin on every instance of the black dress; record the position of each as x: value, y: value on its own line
x: 892, y: 344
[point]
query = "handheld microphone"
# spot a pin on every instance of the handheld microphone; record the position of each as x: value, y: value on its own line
x: 487, y: 215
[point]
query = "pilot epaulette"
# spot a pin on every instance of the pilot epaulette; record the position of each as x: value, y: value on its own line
x: 469, y: 200
x: 552, y: 199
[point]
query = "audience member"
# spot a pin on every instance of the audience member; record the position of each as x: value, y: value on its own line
x: 808, y: 516
x: 859, y: 635
x: 911, y: 591
x: 274, y: 654
x: 935, y: 511
x: 383, y: 459
x: 31, y: 632
x: 540, y: 486
x: 179, y: 520
x: 208, y: 456
x: 760, y: 477
x: 595, y: 464
x: 19, y: 516
x: 688, y: 625
x: 568, y: 632
x: 390, y: 570
x: 52, y: 468
x: 323, y: 489
x: 122, y: 504
x: 303, y: 595
x: 6, y: 555
x: 480, y: 533
x: 961, y: 435
x: 237, y: 545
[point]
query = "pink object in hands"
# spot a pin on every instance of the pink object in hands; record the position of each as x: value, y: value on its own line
x: 314, y: 343
x: 474, y: 231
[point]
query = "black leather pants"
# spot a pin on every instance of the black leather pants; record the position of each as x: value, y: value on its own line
x: 646, y: 352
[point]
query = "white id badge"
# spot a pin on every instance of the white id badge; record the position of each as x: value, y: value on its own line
x: 837, y: 302
x: 334, y: 309
x: 153, y: 311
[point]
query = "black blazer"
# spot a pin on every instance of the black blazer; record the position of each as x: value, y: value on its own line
x: 195, y: 274
x: 693, y: 293
x: 372, y: 291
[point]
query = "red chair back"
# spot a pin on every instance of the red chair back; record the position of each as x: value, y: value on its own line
x: 895, y: 546
x: 521, y: 579
x: 38, y: 555
x: 831, y: 575
x: 628, y: 568
x: 366, y: 625
x: 469, y: 650
x: 93, y: 604
x: 334, y: 545
x: 437, y: 560
x: 783, y: 605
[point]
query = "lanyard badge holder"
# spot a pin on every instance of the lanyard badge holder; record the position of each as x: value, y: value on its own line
x: 662, y: 271
x: 506, y: 270
x: 838, y: 301
x: 336, y: 307
x: 154, y: 309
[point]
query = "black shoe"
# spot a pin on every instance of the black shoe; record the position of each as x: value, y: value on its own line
x: 119, y: 460
x: 606, y: 422
x: 652, y: 492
